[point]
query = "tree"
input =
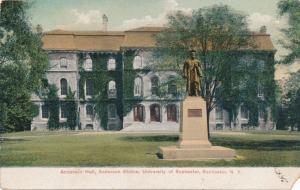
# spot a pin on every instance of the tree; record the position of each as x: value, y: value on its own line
x: 281, y: 123
x: 72, y: 110
x: 291, y: 100
x: 291, y: 91
x: 291, y: 8
x: 294, y: 111
x: 216, y: 33
x: 52, y: 102
x: 23, y: 63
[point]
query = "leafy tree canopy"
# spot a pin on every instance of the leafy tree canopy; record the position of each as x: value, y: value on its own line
x: 213, y: 32
x: 22, y: 65
x: 232, y: 71
x: 291, y: 8
x: 291, y: 100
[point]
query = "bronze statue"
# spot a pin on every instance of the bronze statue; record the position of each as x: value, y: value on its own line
x: 192, y: 71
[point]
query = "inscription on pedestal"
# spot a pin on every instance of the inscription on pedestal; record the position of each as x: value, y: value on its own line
x: 194, y: 113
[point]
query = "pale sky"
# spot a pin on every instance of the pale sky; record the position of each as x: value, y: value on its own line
x: 126, y: 14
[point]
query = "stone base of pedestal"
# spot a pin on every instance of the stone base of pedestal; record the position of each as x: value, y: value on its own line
x: 204, y: 153
x: 193, y: 143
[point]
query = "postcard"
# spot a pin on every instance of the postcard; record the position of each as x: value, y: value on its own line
x: 152, y: 94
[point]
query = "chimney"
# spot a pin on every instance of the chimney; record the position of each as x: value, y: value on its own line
x: 263, y: 29
x: 104, y: 22
x: 39, y: 29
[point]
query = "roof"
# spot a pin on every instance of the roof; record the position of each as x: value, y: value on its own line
x: 147, y: 29
x: 115, y: 40
x: 83, y: 40
x: 263, y: 42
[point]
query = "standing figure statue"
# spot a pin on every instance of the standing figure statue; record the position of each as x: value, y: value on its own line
x: 192, y: 71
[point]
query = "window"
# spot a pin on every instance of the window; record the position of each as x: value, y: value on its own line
x: 171, y: 112
x: 137, y: 62
x: 242, y: 85
x: 63, y: 63
x: 244, y: 112
x: 138, y: 86
x: 246, y: 61
x: 172, y: 88
x: 89, y: 127
x: 219, y: 126
x: 261, y: 115
x: 63, y: 110
x: 112, y: 111
x: 63, y: 86
x: 89, y: 111
x: 155, y: 112
x: 111, y: 65
x: 244, y: 126
x: 219, y: 113
x: 138, y: 112
x: 88, y: 63
x: 89, y: 87
x: 260, y: 65
x: 154, y: 85
x: 260, y: 92
x: 45, y: 112
x: 112, y: 92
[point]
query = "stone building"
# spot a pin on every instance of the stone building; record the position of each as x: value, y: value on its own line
x: 109, y: 72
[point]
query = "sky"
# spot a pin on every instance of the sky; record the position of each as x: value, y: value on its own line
x: 126, y: 14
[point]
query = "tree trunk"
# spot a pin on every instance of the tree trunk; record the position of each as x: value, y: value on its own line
x: 207, y: 120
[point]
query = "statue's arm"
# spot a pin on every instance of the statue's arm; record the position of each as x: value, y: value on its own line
x: 200, y: 68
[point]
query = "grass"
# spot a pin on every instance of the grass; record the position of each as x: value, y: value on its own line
x: 136, y: 149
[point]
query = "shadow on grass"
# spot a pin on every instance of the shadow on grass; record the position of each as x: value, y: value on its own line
x: 157, y: 138
x: 227, y: 142
x: 257, y: 145
x: 12, y: 140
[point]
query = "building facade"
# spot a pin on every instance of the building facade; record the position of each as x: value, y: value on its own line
x: 115, y: 89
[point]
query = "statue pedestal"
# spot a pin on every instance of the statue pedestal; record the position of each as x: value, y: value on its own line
x: 193, y: 143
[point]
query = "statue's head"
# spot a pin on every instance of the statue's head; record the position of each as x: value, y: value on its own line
x: 193, y: 53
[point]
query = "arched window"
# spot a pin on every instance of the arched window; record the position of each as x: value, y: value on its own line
x: 89, y: 111
x: 138, y: 86
x: 89, y: 127
x: 154, y: 85
x: 63, y: 63
x: 112, y: 92
x: 137, y: 62
x: 244, y: 112
x: 63, y: 87
x: 219, y: 113
x: 172, y: 87
x: 112, y: 111
x: 155, y: 112
x: 89, y: 87
x: 138, y: 113
x: 171, y: 112
x: 111, y: 64
x: 88, y: 63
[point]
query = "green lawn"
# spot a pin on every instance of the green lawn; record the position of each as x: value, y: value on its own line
x: 136, y: 149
